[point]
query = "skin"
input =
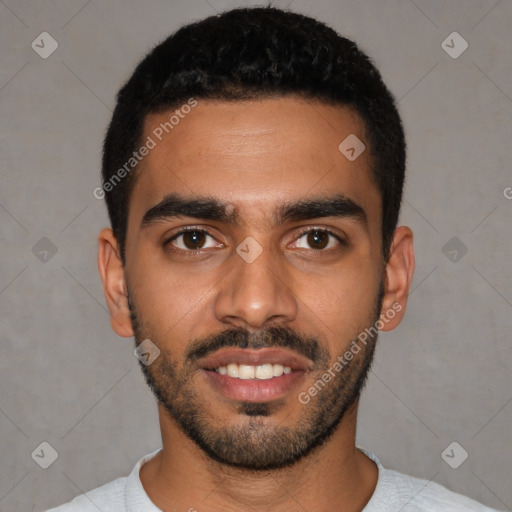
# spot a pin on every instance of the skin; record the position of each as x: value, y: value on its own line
x: 256, y: 155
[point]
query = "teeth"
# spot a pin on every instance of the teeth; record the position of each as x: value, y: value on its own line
x: 261, y: 372
x: 265, y: 371
x: 232, y: 370
x: 278, y: 370
x: 245, y: 372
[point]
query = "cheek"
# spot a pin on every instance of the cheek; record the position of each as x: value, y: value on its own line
x: 165, y: 290
x: 169, y: 303
x: 341, y: 304
x: 165, y: 300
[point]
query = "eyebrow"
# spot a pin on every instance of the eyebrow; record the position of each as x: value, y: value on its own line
x: 210, y: 208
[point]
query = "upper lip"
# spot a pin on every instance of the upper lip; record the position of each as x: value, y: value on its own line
x: 257, y: 357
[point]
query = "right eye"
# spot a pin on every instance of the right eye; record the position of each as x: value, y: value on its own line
x: 190, y: 240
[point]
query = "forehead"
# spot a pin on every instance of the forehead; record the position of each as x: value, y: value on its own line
x: 254, y: 155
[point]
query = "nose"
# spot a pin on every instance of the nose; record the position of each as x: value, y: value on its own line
x: 256, y: 292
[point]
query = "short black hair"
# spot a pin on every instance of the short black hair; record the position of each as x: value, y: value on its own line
x: 255, y: 53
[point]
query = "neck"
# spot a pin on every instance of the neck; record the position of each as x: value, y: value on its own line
x: 182, y: 477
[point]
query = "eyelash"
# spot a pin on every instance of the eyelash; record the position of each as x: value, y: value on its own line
x: 192, y: 252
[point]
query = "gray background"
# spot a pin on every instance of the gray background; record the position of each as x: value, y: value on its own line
x: 442, y: 376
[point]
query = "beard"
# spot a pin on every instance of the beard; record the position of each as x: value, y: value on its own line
x: 255, y: 443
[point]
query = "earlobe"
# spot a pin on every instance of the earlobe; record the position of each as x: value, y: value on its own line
x: 111, y: 271
x: 399, y: 273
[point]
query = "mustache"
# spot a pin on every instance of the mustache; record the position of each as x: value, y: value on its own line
x: 239, y: 337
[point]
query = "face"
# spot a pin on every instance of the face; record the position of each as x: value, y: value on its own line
x: 253, y: 260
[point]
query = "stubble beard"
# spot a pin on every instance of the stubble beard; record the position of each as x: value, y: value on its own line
x: 254, y: 441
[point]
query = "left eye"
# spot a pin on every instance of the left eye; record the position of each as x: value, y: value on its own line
x: 192, y: 240
x: 319, y: 239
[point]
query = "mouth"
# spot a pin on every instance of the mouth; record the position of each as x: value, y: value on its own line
x: 261, y: 375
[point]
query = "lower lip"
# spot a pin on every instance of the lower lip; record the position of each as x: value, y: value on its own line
x: 254, y: 390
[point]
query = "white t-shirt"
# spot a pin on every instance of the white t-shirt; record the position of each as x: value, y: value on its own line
x: 395, y: 491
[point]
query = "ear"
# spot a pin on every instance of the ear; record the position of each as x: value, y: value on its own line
x: 111, y: 271
x: 399, y: 273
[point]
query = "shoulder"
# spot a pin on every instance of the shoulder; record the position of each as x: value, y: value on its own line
x: 418, y: 495
x: 397, y: 491
x: 107, y: 498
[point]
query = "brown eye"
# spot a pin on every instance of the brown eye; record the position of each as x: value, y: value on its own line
x: 318, y: 239
x: 192, y: 240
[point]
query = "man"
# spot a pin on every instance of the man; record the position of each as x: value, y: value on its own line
x: 253, y: 173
